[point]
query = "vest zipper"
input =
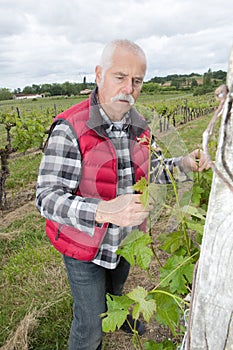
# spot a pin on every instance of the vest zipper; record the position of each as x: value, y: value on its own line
x: 58, y: 233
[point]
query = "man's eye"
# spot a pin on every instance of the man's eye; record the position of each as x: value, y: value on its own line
x: 137, y: 82
x: 119, y: 78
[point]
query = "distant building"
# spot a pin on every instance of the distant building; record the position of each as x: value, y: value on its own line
x: 85, y: 92
x: 27, y: 96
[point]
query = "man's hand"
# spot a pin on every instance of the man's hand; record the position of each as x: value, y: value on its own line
x: 195, y: 161
x: 125, y: 210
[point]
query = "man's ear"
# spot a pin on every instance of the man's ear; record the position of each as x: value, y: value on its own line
x: 98, y: 75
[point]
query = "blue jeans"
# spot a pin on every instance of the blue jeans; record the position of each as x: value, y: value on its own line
x: 89, y: 284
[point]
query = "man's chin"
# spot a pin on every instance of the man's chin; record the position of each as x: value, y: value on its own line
x: 123, y: 107
x: 118, y: 113
x: 116, y: 110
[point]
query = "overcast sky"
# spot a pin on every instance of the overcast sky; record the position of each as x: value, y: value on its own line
x: 46, y: 41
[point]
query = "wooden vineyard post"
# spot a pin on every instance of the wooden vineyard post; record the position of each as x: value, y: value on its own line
x: 211, y: 313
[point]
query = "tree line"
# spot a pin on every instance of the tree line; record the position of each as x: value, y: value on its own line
x: 54, y: 89
x: 198, y: 84
x: 219, y: 75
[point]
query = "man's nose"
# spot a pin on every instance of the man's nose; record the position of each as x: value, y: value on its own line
x: 128, y: 87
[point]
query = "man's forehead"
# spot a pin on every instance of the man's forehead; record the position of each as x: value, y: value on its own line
x: 126, y: 74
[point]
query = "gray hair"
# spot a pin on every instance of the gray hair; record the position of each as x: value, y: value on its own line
x: 108, y: 52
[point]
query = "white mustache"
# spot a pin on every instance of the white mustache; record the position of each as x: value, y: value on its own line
x: 128, y: 98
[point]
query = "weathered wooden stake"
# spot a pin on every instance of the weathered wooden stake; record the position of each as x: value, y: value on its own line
x: 211, y: 314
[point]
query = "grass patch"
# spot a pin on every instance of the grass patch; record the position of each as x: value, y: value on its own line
x: 191, y: 133
x: 34, y: 287
x: 23, y: 170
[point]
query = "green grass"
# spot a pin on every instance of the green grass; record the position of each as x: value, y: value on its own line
x: 33, y: 280
x: 23, y: 170
x: 191, y: 133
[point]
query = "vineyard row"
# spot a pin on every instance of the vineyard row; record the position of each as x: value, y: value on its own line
x: 22, y: 129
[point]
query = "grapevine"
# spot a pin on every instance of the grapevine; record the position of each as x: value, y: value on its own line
x: 166, y: 301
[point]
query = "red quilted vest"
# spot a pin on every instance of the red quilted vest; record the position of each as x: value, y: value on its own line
x: 99, y: 174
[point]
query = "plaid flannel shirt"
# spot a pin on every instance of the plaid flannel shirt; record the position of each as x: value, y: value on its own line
x: 59, y: 175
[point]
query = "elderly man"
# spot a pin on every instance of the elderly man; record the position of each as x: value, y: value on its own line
x: 91, y: 161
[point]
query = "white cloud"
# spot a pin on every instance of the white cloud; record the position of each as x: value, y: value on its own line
x: 46, y: 42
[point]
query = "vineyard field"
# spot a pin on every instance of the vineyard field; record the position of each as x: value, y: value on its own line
x: 35, y: 296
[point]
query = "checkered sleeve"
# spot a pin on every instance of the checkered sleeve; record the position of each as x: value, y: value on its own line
x: 58, y: 180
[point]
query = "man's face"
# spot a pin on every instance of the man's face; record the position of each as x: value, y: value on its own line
x: 121, y: 84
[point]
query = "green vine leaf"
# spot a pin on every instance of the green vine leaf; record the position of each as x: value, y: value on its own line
x: 197, y: 226
x: 176, y: 273
x: 146, y: 307
x: 145, y: 197
x: 135, y: 249
x: 117, y: 312
x: 172, y: 242
x: 197, y: 194
x: 168, y: 312
x: 194, y: 212
x: 165, y: 345
x: 140, y: 185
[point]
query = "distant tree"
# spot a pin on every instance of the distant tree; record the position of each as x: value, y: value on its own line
x: 207, y: 77
x: 220, y: 75
x: 68, y: 88
x: 46, y: 88
x: 194, y: 75
x: 56, y: 89
x: 17, y: 91
x: 150, y: 88
x: 194, y: 83
x: 176, y: 83
x: 36, y: 89
x: 5, y: 94
x: 159, y: 80
x: 84, y: 86
x: 77, y: 88
x: 28, y: 90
